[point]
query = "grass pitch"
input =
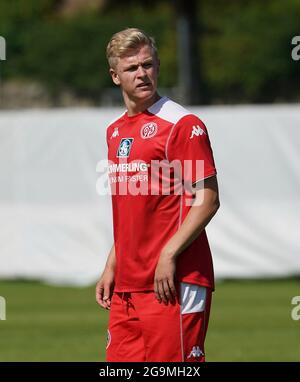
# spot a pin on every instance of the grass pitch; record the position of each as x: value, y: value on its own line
x: 250, y: 321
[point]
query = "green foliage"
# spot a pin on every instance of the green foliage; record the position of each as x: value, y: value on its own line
x: 247, y: 50
x: 245, y: 46
x: 69, y: 53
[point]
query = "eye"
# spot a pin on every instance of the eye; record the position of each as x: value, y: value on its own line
x: 131, y: 69
x: 148, y: 65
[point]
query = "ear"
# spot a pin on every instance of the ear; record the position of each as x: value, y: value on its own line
x: 114, y: 76
x: 158, y: 66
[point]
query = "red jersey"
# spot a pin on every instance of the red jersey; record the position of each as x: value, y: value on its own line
x: 148, y: 203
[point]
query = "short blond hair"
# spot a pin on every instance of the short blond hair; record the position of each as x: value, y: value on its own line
x: 125, y: 41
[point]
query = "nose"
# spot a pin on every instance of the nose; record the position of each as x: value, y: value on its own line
x: 141, y: 72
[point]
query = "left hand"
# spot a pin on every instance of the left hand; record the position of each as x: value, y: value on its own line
x: 164, y: 279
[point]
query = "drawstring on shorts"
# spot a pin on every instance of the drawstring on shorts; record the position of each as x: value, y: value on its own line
x: 125, y: 298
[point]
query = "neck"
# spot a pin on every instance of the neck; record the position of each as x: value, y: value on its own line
x: 137, y: 106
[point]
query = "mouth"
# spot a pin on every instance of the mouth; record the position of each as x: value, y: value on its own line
x: 144, y: 85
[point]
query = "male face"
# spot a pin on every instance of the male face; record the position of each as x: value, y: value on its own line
x: 137, y: 73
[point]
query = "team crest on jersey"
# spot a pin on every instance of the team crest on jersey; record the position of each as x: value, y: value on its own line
x: 124, y: 148
x: 148, y: 130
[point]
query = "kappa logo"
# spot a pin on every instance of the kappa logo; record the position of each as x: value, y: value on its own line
x: 148, y: 130
x: 115, y: 133
x: 124, y: 147
x: 197, y: 131
x: 196, y: 352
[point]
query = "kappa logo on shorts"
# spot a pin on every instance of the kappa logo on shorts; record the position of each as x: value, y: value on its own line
x: 196, y: 352
x: 124, y: 147
x: 148, y: 130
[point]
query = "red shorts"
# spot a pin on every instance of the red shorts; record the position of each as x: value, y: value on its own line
x: 141, y: 329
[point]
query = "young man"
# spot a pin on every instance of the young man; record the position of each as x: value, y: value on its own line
x: 158, y: 279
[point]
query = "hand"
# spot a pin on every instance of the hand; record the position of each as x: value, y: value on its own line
x: 104, y: 289
x: 164, y: 279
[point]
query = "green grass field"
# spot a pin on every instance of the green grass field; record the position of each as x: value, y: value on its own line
x: 250, y: 321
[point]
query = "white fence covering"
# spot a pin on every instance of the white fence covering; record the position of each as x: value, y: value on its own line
x: 55, y: 227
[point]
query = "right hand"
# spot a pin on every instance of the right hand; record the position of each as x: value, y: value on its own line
x: 105, y: 288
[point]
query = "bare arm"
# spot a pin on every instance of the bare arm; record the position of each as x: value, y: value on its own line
x: 105, y: 286
x: 205, y: 206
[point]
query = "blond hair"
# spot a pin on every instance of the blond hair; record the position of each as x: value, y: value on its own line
x: 125, y: 41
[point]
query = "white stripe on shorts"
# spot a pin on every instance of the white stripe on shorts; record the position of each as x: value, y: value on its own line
x: 193, y: 298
